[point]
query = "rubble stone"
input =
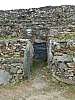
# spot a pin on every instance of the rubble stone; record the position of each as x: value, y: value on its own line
x: 62, y: 65
x: 12, y: 58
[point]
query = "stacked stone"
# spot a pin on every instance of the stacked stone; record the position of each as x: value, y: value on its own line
x: 37, y: 21
x: 62, y: 65
x: 12, y: 58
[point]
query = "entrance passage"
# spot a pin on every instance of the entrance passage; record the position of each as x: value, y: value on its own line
x: 40, y: 51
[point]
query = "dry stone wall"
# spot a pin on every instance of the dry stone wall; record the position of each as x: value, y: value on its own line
x: 12, y: 58
x: 26, y: 23
x: 33, y: 23
x: 61, y: 60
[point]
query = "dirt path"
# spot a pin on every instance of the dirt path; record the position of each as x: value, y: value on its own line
x: 40, y: 87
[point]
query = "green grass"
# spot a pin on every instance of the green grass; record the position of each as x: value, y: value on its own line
x: 64, y: 36
x: 7, y: 38
x: 38, y: 64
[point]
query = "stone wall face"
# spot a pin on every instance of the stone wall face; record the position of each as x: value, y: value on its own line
x: 37, y: 21
x: 12, y: 58
x: 61, y: 61
x: 34, y: 23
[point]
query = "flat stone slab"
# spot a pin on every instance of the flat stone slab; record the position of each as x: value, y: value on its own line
x: 4, y: 77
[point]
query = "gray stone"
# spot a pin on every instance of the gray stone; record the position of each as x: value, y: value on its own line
x: 4, y: 77
x: 19, y: 71
x: 13, y: 70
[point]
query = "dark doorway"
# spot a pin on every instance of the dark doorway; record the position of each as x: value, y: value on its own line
x: 40, y: 51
